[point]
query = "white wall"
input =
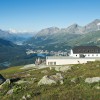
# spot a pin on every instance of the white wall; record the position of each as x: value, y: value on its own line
x: 74, y: 55
x: 69, y: 61
x: 86, y: 55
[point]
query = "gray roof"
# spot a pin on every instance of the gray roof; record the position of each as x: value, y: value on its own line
x: 86, y: 49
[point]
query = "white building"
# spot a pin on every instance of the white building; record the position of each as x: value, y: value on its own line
x: 78, y: 55
x: 85, y: 51
x: 98, y: 26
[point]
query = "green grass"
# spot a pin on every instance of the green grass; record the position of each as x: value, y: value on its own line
x: 67, y: 91
x: 11, y: 70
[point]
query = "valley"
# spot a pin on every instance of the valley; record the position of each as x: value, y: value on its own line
x: 23, y: 48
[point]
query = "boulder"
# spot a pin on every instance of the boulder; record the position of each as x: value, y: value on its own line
x: 28, y: 96
x: 42, y: 66
x: 51, y: 79
x: 97, y: 65
x: 21, y: 82
x: 2, y: 79
x: 24, y: 98
x: 46, y: 80
x: 7, y: 82
x: 75, y: 80
x: 92, y: 80
x: 57, y: 77
x: 63, y: 68
x: 97, y: 87
x: 44, y: 71
x: 10, y: 92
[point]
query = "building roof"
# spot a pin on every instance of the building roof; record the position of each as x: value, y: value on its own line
x: 68, y: 57
x: 86, y: 49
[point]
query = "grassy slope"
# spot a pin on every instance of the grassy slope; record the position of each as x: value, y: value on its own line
x: 65, y: 40
x: 92, y: 38
x: 68, y: 91
x: 15, y: 55
x: 52, y: 42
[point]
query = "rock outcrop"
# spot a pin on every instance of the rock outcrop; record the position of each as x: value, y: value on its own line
x: 10, y: 92
x: 44, y: 71
x: 7, y: 82
x: 51, y: 79
x: 22, y: 82
x: 63, y: 68
x: 92, y: 80
x: 2, y: 79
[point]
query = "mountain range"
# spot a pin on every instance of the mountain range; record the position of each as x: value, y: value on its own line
x: 52, y: 38
x: 50, y: 35
x: 16, y: 38
x: 75, y: 28
x: 56, y: 38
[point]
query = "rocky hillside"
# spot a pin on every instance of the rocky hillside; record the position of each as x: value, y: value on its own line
x: 69, y: 82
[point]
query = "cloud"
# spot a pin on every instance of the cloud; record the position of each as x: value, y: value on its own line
x: 13, y: 31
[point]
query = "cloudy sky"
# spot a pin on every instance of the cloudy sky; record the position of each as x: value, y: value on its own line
x: 34, y: 15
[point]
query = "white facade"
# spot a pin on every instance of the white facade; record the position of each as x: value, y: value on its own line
x: 73, y: 58
x: 77, y: 55
x: 67, y: 60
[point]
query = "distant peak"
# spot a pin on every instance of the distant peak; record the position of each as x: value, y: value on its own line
x: 50, y: 29
x: 53, y: 28
x: 74, y: 25
x: 96, y: 21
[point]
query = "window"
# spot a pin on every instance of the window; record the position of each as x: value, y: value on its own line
x: 76, y: 55
x: 79, y: 50
x: 97, y: 55
x: 51, y: 63
x: 54, y: 63
x: 92, y: 50
x: 88, y: 55
x: 88, y: 51
x: 92, y: 55
x: 82, y: 56
x: 96, y: 51
x: 78, y: 62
